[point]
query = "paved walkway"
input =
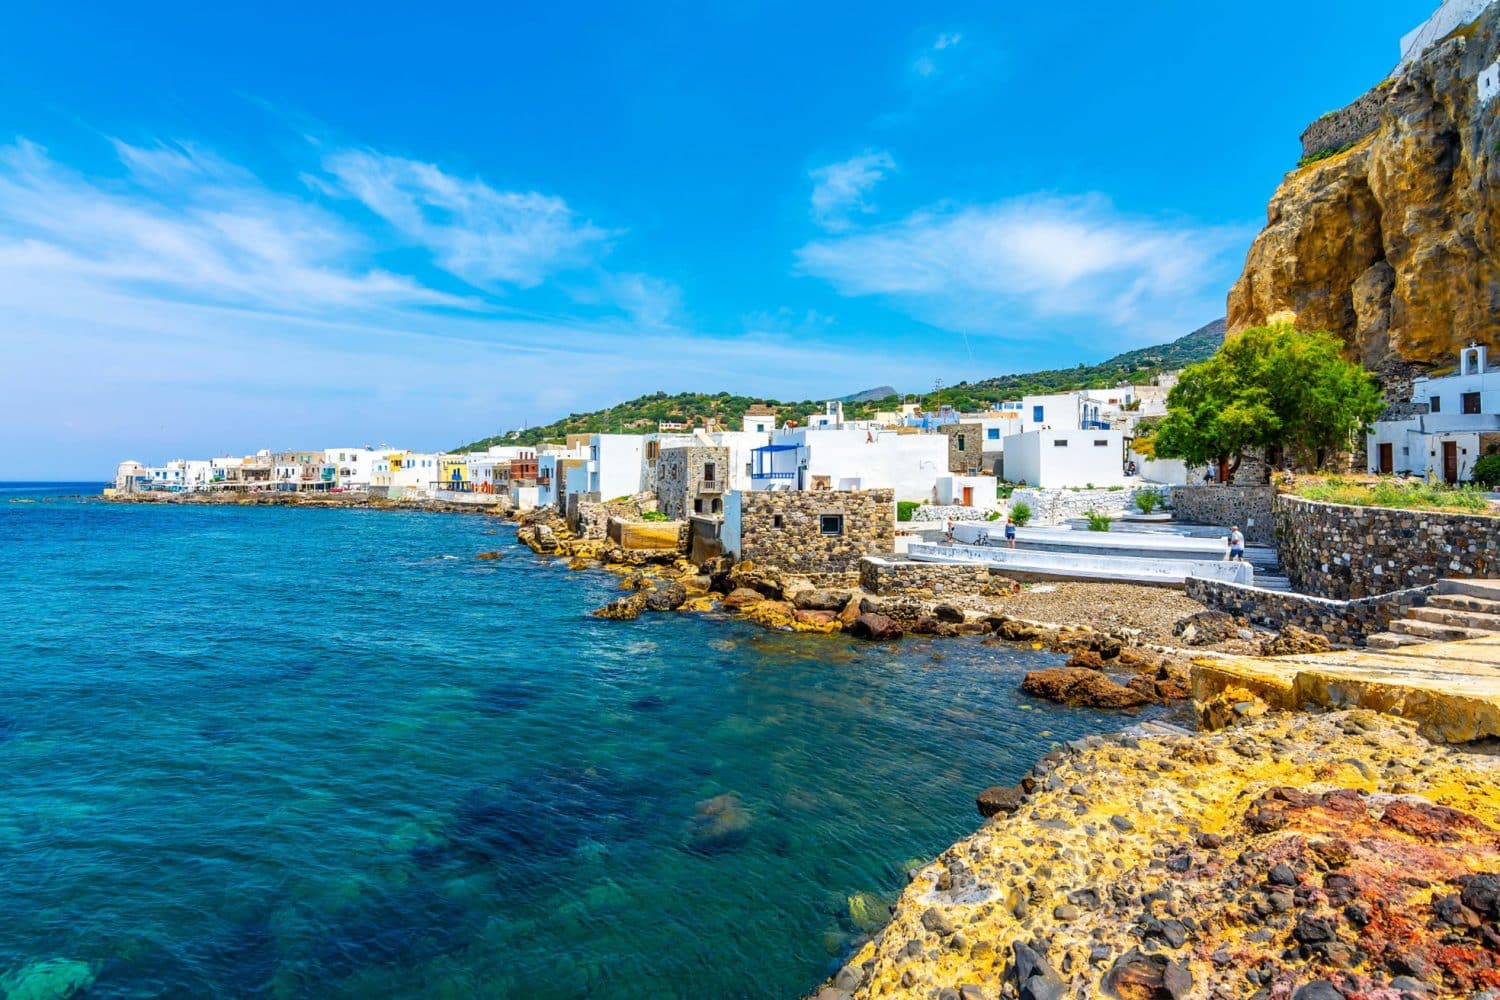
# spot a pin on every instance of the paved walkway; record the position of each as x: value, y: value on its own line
x: 1452, y: 688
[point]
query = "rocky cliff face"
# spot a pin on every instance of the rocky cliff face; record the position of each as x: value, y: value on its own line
x: 1394, y: 244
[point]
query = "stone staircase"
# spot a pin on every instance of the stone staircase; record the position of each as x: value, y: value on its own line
x: 1461, y: 609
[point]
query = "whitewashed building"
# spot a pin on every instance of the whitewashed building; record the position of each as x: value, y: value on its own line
x: 353, y: 468
x: 1059, y: 458
x: 851, y: 459
x: 614, y: 465
x: 1450, y: 422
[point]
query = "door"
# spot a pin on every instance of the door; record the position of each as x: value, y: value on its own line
x: 1450, y: 462
x: 968, y: 496
x: 1387, y: 462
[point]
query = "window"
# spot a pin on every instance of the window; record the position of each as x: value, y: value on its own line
x: 698, y: 506
x: 1435, y: 404
x: 831, y: 524
x: 993, y: 433
x: 1098, y: 443
x: 1060, y: 443
x: 960, y: 442
x: 1471, y: 402
x: 776, y: 521
x: 1036, y: 414
x: 709, y: 472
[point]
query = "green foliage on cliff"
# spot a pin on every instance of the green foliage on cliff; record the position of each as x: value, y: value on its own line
x: 1276, y: 388
x: 641, y: 415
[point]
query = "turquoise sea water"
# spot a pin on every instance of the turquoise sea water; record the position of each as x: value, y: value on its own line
x: 251, y: 752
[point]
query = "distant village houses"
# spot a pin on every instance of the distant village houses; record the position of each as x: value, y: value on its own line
x: 709, y: 477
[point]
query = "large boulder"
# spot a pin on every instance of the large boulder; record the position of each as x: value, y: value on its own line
x: 765, y: 579
x: 623, y: 609
x: 948, y: 614
x: 1000, y: 800
x: 1293, y: 641
x: 873, y: 626
x: 742, y: 597
x: 668, y: 595
x: 1204, y: 628
x: 820, y: 600
x: 1080, y: 686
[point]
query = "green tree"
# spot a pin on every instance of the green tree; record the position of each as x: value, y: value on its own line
x: 1276, y: 388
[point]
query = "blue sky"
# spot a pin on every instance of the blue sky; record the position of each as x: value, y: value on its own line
x: 311, y: 225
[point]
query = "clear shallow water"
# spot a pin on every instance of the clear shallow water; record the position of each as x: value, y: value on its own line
x: 251, y: 751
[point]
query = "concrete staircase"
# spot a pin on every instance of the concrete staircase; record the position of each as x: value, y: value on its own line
x: 1461, y: 609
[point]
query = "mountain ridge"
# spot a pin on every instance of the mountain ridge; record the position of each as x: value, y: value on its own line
x: 642, y: 414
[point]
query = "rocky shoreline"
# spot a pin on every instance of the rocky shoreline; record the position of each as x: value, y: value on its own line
x: 1311, y: 857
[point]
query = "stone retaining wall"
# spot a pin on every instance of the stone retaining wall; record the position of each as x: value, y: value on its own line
x: 936, y: 512
x: 887, y: 577
x: 1057, y: 506
x: 1348, y: 623
x: 1224, y: 506
x: 1343, y: 552
x: 786, y: 530
x: 1346, y: 125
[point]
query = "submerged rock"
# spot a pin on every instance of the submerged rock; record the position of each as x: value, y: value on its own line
x: 719, y: 824
x: 623, y: 609
x: 48, y: 979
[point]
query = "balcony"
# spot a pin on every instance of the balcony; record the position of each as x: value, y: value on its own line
x: 1094, y: 425
x: 711, y: 486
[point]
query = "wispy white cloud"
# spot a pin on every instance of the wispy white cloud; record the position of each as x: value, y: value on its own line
x: 190, y: 224
x: 1005, y: 266
x: 474, y: 231
x: 173, y: 303
x: 926, y: 61
x: 840, y: 189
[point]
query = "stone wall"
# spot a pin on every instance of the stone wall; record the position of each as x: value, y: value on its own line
x: 886, y: 577
x: 786, y: 530
x: 969, y: 458
x: 682, y: 486
x: 941, y: 512
x: 648, y: 536
x: 1348, y: 623
x: 1343, y: 552
x: 1346, y: 125
x: 1057, y: 506
x: 1225, y: 506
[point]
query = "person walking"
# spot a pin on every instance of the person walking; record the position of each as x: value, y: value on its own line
x: 1236, y: 545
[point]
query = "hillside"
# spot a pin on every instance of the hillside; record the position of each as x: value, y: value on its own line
x: 641, y: 415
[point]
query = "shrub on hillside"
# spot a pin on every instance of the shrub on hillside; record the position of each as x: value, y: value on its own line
x: 905, y: 509
x: 1097, y: 521
x: 1147, y: 502
x: 1020, y: 513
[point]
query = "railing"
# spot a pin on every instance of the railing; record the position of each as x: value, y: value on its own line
x: 711, y: 486
x: 1093, y: 425
x: 773, y: 475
